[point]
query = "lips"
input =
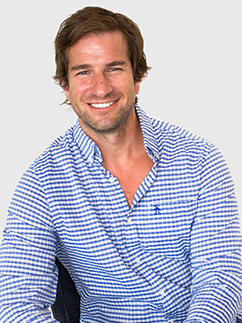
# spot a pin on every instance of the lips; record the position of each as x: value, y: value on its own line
x: 102, y: 105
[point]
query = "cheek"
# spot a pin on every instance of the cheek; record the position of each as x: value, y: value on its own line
x: 75, y: 91
x: 128, y: 86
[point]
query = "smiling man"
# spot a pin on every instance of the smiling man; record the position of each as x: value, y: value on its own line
x: 101, y: 86
x: 141, y: 213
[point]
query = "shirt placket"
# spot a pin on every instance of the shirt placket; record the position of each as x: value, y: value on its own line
x: 137, y: 260
x: 136, y: 255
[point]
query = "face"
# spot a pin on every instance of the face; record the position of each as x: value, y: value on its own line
x: 101, y: 87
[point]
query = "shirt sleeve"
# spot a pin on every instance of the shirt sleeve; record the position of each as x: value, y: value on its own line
x: 215, y: 246
x: 28, y: 275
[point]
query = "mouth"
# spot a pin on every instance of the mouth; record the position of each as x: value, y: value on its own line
x: 102, y: 105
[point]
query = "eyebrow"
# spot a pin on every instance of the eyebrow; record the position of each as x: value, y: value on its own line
x: 87, y: 66
x: 116, y: 63
x: 80, y: 67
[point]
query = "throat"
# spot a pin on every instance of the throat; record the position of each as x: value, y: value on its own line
x: 131, y: 177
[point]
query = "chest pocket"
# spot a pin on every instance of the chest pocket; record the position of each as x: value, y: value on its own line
x: 165, y: 228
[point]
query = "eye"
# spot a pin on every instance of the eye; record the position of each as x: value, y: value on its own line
x: 83, y: 73
x: 114, y: 69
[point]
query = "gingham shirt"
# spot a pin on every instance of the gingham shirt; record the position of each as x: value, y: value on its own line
x: 174, y: 256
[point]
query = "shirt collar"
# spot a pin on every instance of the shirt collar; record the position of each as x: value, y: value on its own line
x: 149, y: 134
x: 90, y: 150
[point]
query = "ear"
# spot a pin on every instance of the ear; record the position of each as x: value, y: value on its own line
x: 65, y: 88
x: 137, y: 87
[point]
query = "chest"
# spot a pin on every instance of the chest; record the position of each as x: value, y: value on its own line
x: 130, y: 178
x: 93, y: 214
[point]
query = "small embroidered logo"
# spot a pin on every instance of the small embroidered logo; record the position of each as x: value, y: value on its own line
x: 157, y: 210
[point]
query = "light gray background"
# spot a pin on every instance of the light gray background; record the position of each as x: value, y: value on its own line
x: 194, y: 47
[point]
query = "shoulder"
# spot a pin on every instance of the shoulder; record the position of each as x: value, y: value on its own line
x: 174, y: 137
x: 57, y: 153
x: 184, y: 147
x: 173, y: 140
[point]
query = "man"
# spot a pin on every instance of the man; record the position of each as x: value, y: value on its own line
x: 141, y: 213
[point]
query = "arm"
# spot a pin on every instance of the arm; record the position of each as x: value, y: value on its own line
x: 215, y: 247
x: 27, y: 261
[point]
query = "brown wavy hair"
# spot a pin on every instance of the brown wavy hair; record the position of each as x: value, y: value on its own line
x: 97, y: 20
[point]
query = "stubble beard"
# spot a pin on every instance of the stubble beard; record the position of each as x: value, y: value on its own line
x: 105, y: 126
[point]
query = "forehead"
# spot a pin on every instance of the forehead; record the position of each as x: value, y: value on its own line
x: 101, y: 45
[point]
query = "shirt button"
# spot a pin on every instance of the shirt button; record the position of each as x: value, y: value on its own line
x: 138, y: 261
x: 162, y: 292
x: 111, y: 179
x: 129, y: 221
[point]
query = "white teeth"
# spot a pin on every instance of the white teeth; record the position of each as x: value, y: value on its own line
x: 102, y: 105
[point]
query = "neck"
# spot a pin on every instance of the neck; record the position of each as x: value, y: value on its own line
x: 124, y: 156
x: 120, y: 146
x: 122, y: 150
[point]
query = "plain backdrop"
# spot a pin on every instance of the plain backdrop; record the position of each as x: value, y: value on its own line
x: 194, y: 47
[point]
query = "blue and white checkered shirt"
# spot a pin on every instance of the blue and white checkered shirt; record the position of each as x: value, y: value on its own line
x: 174, y: 256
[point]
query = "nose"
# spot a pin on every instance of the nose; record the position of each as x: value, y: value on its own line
x: 101, y: 86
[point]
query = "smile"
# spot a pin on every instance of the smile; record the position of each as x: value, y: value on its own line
x: 102, y: 105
